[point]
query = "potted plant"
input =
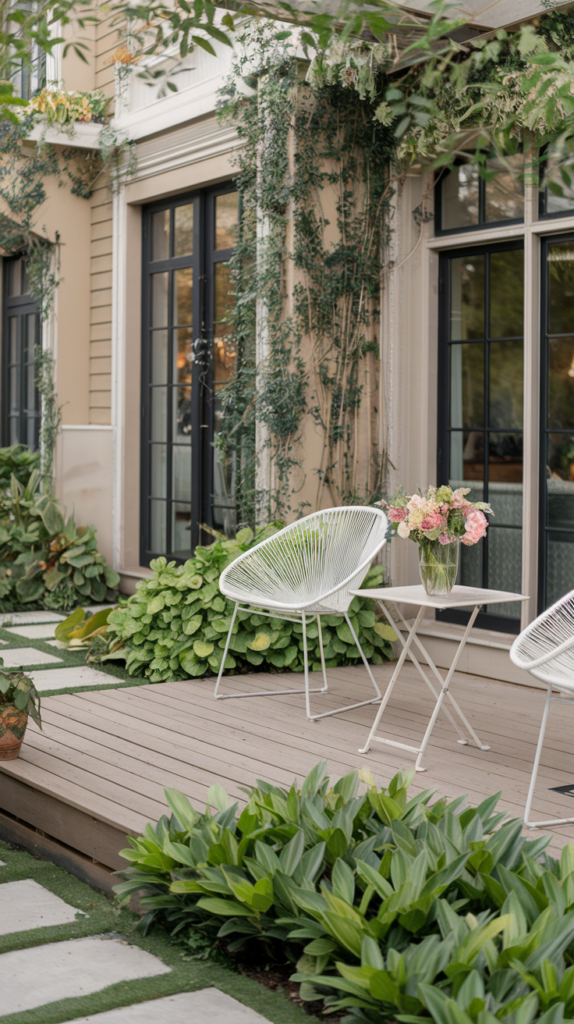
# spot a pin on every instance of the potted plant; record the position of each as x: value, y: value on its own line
x: 18, y: 699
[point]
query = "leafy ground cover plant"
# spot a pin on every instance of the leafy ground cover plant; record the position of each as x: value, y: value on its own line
x: 176, y: 625
x: 46, y: 561
x: 18, y: 460
x: 390, y: 907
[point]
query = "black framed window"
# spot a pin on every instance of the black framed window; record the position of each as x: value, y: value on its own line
x: 556, y: 573
x: 480, y: 402
x: 20, y: 335
x: 464, y: 200
x: 187, y: 357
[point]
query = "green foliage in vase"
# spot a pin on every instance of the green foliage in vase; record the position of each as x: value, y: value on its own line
x: 176, y: 625
x: 390, y: 907
x: 17, y: 691
x: 46, y: 561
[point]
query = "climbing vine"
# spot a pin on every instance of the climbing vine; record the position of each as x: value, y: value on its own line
x: 307, y: 282
x: 326, y: 147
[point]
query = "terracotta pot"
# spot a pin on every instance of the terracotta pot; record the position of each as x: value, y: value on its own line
x: 15, y: 722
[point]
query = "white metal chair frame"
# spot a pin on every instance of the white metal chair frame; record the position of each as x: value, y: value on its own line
x: 546, y: 650
x: 334, y: 600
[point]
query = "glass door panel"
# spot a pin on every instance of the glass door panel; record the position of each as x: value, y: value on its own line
x: 188, y: 356
x: 557, y: 409
x: 481, y: 411
x: 21, y: 335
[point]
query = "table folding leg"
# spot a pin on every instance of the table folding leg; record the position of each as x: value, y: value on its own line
x: 439, y: 696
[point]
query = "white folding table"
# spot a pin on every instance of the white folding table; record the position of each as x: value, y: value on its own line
x: 459, y: 597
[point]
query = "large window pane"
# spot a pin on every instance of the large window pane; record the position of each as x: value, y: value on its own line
x: 183, y: 218
x: 159, y: 357
x: 159, y: 470
x: 467, y: 385
x: 504, y: 566
x: 561, y: 280
x: 504, y: 194
x: 506, y: 390
x: 182, y: 411
x: 183, y: 356
x: 159, y: 293
x: 561, y: 383
x: 505, y: 457
x: 158, y: 533
x: 559, y: 551
x: 160, y: 235
x: 183, y: 282
x: 460, y: 200
x: 467, y: 298
x: 181, y: 529
x: 226, y: 220
x: 158, y: 414
x: 506, y: 294
x: 181, y: 473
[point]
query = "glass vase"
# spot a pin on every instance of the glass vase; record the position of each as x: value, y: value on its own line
x: 438, y: 566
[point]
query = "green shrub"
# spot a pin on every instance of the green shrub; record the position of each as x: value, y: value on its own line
x: 389, y: 906
x: 176, y: 625
x: 45, y: 561
x: 18, y: 461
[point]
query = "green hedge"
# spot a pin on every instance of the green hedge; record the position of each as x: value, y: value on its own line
x: 176, y: 625
x: 388, y: 907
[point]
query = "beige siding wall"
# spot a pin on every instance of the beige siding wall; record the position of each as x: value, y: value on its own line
x: 107, y: 41
x: 101, y: 307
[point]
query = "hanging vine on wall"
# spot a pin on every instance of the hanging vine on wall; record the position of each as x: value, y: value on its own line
x: 307, y: 354
x: 352, y: 131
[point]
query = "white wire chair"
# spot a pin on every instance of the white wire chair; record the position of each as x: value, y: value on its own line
x: 546, y: 650
x: 307, y: 570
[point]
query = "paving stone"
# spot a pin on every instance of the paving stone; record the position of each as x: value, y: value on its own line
x: 2, y: 863
x: 17, y: 656
x: 27, y: 904
x: 78, y: 675
x: 8, y: 619
x: 93, y: 608
x: 41, y: 631
x: 65, y: 970
x: 207, y: 1005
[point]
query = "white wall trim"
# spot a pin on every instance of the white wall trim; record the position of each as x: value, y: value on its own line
x: 205, y: 140
x: 86, y: 426
x: 119, y: 269
x: 195, y: 101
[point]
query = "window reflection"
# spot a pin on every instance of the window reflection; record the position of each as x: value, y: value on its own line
x: 226, y: 220
x: 183, y: 230
x: 467, y: 199
x: 486, y: 409
x: 467, y: 298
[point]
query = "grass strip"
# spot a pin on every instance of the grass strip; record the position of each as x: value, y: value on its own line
x: 105, y: 917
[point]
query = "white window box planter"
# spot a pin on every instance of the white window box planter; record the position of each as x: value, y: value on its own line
x: 86, y: 136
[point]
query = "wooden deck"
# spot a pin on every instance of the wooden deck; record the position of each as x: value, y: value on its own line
x: 98, y: 769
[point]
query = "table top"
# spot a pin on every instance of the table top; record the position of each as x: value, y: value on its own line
x: 459, y: 597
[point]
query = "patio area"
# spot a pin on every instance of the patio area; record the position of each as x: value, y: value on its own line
x: 98, y: 769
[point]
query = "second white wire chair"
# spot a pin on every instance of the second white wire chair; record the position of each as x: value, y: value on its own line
x: 303, y: 572
x: 546, y: 650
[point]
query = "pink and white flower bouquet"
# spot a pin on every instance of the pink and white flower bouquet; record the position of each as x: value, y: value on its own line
x: 441, y: 515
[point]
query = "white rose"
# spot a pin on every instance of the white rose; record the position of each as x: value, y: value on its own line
x: 404, y: 530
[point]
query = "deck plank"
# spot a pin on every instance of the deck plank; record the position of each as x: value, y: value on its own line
x: 110, y: 753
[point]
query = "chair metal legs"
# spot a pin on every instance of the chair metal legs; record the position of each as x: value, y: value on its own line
x: 555, y: 821
x: 307, y: 689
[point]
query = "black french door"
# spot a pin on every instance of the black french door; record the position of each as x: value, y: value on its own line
x: 187, y: 357
x: 20, y: 336
x: 556, y: 564
x: 480, y: 403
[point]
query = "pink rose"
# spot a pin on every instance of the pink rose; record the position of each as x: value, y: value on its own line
x: 396, y: 515
x: 433, y: 522
x: 475, y: 525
